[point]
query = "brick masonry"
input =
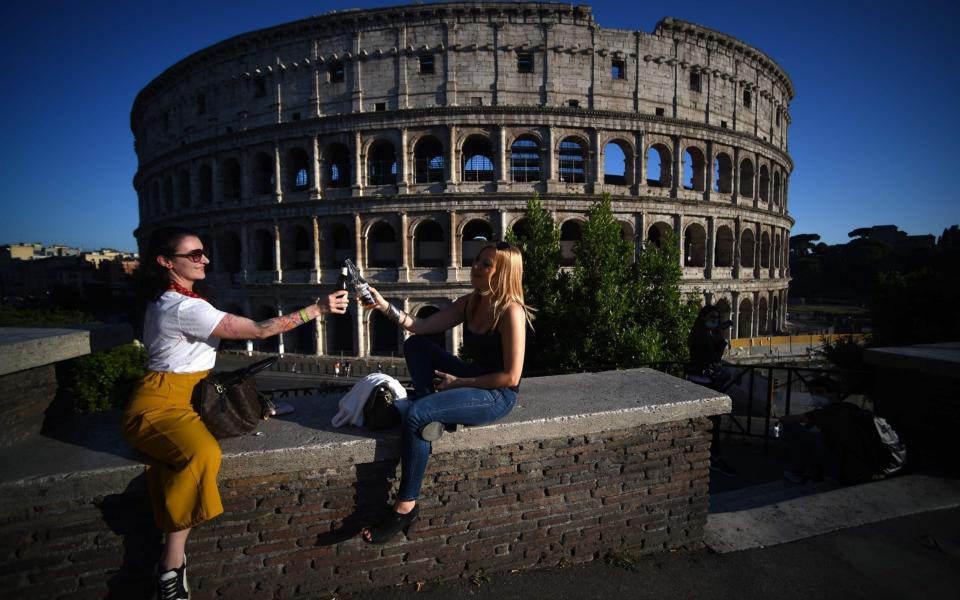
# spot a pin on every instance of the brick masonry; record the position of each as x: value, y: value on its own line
x: 565, y: 499
x: 26, y: 397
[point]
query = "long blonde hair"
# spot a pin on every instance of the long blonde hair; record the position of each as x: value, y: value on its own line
x: 506, y: 284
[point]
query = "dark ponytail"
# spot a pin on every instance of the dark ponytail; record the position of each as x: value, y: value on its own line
x: 154, y: 279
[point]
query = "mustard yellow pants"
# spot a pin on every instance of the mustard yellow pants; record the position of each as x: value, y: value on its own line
x: 185, y: 458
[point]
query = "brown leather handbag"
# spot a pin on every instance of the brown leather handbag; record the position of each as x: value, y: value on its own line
x: 229, y: 403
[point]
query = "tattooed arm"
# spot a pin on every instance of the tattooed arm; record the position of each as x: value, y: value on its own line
x: 235, y: 327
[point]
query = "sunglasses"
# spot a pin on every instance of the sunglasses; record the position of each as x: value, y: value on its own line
x: 194, y: 255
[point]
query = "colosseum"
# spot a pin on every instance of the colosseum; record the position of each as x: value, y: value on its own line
x: 403, y: 137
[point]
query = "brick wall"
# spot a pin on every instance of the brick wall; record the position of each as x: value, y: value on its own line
x: 294, y: 534
x: 25, y: 399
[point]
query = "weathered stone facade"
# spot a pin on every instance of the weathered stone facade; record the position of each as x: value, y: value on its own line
x: 396, y: 136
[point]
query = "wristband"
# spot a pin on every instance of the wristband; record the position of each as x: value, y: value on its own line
x: 303, y: 315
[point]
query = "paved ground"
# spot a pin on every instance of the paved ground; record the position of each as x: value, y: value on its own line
x: 911, y: 557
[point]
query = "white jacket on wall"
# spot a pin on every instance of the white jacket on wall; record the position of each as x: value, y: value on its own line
x: 351, y: 405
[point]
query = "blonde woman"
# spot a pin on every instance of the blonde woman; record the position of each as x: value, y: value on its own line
x: 447, y: 390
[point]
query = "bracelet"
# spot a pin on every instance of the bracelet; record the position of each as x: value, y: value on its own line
x: 303, y: 315
x: 395, y: 314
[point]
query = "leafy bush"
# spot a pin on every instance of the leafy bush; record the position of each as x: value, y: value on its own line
x: 37, y: 317
x: 105, y: 380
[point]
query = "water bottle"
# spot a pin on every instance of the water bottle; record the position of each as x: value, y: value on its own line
x: 360, y: 284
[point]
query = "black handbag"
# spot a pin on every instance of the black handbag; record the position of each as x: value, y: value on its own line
x: 229, y: 403
x: 379, y: 411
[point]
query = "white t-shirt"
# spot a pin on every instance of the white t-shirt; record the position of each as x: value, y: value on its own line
x: 178, y: 334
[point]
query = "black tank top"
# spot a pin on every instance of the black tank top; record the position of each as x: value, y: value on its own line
x: 486, y: 349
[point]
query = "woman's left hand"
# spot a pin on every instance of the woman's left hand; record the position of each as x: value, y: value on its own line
x: 444, y: 381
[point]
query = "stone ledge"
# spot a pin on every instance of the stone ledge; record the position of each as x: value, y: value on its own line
x: 23, y: 348
x: 932, y: 359
x: 89, y: 457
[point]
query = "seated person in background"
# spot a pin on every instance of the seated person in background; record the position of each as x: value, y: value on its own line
x: 841, y: 441
x: 706, y: 345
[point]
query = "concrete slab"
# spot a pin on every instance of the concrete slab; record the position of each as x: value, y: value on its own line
x: 23, y: 348
x: 90, y: 454
x: 822, y: 513
x: 932, y: 359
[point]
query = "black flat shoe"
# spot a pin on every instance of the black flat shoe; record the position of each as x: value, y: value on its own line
x: 390, y: 525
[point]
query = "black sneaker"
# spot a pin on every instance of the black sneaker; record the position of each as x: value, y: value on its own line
x: 172, y: 585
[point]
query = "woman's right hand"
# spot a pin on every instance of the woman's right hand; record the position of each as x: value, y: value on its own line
x: 334, y: 303
x: 379, y: 302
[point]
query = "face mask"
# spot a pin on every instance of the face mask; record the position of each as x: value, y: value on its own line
x: 711, y: 324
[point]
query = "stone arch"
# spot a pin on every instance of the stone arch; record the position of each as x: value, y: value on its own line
x: 263, y: 244
x: 297, y: 249
x: 230, y: 250
x: 427, y: 311
x: 775, y: 315
x: 341, y: 245
x: 694, y: 169
x: 521, y: 228
x: 476, y: 158
x: 762, y: 317
x: 382, y: 163
x: 230, y: 177
x: 476, y: 234
x: 658, y: 166
x: 205, y: 178
x: 572, y: 160
x: 263, y: 174
x: 336, y: 161
x: 340, y: 333
x: 723, y: 308
x: 183, y: 187
x: 776, y: 188
x: 658, y: 232
x: 297, y: 169
x: 722, y: 173
x: 765, y: 250
x: 384, y: 335
x: 764, y: 183
x: 617, y: 162
x: 745, y: 318
x: 382, y: 248
x: 694, y: 246
x: 777, y: 250
x: 747, y: 241
x: 526, y: 159
x: 571, y: 231
x: 428, y: 160
x: 428, y: 244
x: 723, y: 250
x: 270, y: 344
x: 746, y: 178
x: 626, y: 231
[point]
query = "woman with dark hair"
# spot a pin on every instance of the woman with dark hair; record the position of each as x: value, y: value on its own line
x: 448, y: 391
x: 707, y: 344
x: 181, y: 331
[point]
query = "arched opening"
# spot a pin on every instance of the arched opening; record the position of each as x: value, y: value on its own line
x: 746, y: 178
x: 775, y: 316
x: 764, y: 183
x: 722, y: 174
x: 572, y: 161
x: 428, y: 160
x: 340, y: 333
x: 765, y: 250
x: 183, y: 185
x: 298, y: 171
x: 382, y: 163
x: 205, y: 177
x: 658, y: 166
x: 264, y: 246
x: 438, y: 338
x: 777, y: 250
x: 570, y: 234
x: 723, y: 251
x: 301, y: 255
x: 263, y: 175
x: 230, y: 252
x: 694, y: 170
x: 230, y: 180
x: 616, y: 167
x: 168, y: 193
x: 525, y: 159
x: 746, y: 249
x: 723, y: 308
x: 383, y: 246
x: 776, y: 188
x: 762, y: 324
x: 657, y: 233
x: 476, y: 234
x: 695, y: 246
x: 302, y: 340
x: 428, y: 245
x: 521, y: 229
x: 272, y: 343
x: 336, y: 159
x: 383, y: 335
x: 626, y: 231
x: 477, y: 159
x: 745, y: 319
x: 342, y: 245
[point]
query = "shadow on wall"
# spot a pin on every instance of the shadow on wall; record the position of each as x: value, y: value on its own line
x: 129, y: 516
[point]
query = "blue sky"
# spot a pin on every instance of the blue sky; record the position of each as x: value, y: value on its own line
x: 874, y: 133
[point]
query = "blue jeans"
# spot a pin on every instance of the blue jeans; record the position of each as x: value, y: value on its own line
x: 468, y: 406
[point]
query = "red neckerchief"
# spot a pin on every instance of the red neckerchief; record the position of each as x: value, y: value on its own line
x: 182, y: 290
